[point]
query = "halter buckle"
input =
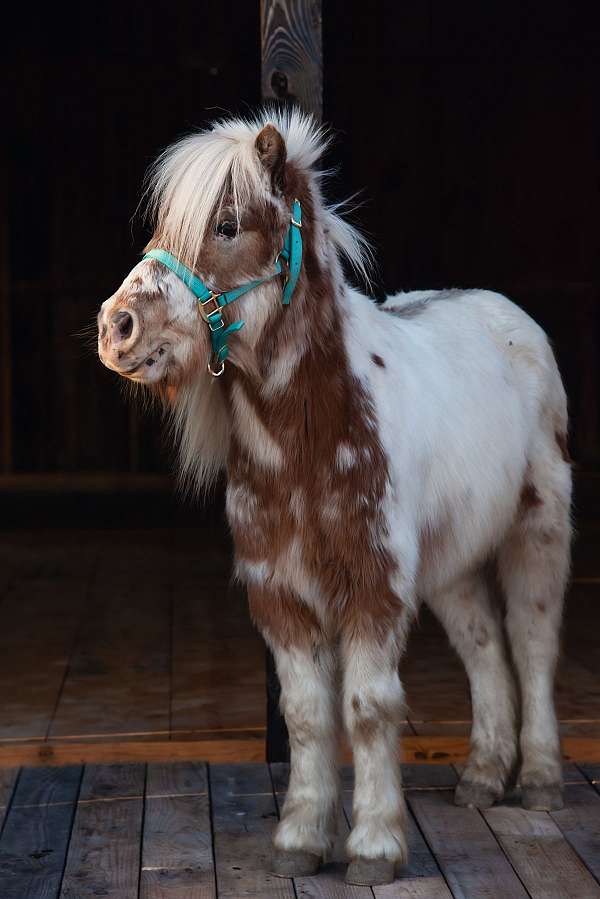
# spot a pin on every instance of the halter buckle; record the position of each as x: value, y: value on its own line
x: 219, y: 324
x: 201, y: 304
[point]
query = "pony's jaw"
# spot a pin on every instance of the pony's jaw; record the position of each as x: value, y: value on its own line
x: 148, y: 331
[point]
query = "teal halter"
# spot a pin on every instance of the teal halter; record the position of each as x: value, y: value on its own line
x: 291, y: 253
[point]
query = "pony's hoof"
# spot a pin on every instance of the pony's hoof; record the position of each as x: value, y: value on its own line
x: 469, y: 794
x: 370, y: 872
x: 542, y: 799
x: 294, y: 863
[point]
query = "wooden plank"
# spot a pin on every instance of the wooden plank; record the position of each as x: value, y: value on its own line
x: 591, y: 772
x: 244, y: 816
x: 329, y: 882
x: 63, y: 753
x: 246, y: 749
x: 177, y: 857
x: 218, y: 672
x: 470, y: 858
x: 34, y: 842
x: 104, y: 853
x: 119, y: 672
x: 421, y: 877
x: 292, y: 53
x: 41, y: 611
x: 579, y: 822
x: 541, y: 856
x: 8, y: 780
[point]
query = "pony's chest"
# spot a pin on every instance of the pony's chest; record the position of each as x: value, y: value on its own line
x: 264, y: 518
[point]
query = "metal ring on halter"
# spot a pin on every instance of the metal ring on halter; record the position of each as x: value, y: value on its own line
x: 216, y: 374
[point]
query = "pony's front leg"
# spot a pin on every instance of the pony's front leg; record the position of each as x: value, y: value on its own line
x: 373, y: 709
x: 306, y: 665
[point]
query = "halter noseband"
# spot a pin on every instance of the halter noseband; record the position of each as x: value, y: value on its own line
x: 291, y: 253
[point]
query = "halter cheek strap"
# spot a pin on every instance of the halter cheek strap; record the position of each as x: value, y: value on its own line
x: 211, y: 304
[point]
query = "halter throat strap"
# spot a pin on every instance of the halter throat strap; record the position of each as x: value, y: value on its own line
x: 212, y: 303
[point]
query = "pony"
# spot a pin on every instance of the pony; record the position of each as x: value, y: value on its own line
x: 377, y: 456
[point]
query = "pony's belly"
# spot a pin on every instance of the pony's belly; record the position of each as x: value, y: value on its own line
x: 462, y: 545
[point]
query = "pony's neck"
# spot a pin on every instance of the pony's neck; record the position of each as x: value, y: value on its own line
x: 300, y: 404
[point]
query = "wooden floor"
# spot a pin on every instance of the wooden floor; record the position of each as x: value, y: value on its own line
x: 192, y: 831
x: 126, y: 645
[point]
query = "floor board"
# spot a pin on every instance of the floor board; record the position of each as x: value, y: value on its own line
x: 542, y: 857
x: 177, y: 856
x: 191, y: 831
x: 244, y: 817
x: 119, y: 636
x: 34, y: 842
x: 104, y: 852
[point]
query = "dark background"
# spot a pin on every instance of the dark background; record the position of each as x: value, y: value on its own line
x: 472, y: 130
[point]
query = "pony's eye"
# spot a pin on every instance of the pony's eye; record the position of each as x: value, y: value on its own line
x: 227, y: 228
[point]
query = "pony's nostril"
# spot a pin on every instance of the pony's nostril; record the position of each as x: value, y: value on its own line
x: 124, y: 323
x: 121, y: 326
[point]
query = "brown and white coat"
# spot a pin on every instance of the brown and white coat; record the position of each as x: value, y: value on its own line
x: 376, y: 457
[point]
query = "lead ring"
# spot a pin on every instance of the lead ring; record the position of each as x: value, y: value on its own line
x: 216, y: 374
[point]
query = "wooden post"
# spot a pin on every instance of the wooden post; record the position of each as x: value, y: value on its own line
x: 292, y: 73
x: 292, y: 53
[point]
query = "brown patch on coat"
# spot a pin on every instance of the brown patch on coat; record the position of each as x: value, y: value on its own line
x: 341, y: 533
x: 282, y: 619
x: 370, y: 719
x: 377, y: 360
x: 541, y: 606
x: 530, y: 498
x: 482, y: 637
x: 562, y: 443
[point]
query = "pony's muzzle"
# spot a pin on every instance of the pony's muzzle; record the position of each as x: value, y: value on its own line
x: 118, y: 334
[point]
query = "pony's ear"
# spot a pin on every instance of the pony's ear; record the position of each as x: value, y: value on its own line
x: 270, y: 147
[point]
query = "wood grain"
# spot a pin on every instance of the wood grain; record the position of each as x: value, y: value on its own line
x: 104, y: 852
x: 57, y: 753
x: 543, y: 859
x: 119, y: 671
x: 579, y: 822
x: 474, y: 872
x: 292, y: 55
x: 591, y: 773
x: 8, y: 780
x: 214, y: 643
x: 36, y: 834
x: 177, y: 858
x: 41, y: 612
x: 244, y: 816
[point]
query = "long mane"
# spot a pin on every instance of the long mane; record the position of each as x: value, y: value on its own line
x: 190, y: 180
x: 185, y: 188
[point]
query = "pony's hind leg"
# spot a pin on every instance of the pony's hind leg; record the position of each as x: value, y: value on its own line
x: 474, y: 627
x: 533, y: 566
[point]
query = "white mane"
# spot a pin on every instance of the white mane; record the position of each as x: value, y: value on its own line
x: 190, y: 180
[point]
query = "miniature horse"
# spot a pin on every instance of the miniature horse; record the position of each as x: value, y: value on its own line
x: 376, y: 456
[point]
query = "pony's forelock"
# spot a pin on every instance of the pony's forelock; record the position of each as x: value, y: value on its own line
x: 190, y: 181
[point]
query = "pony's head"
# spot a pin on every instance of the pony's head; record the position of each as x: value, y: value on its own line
x: 221, y: 202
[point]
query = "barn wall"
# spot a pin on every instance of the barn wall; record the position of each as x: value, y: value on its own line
x: 472, y: 129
